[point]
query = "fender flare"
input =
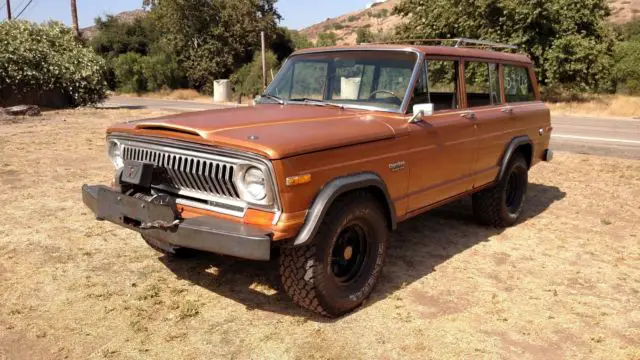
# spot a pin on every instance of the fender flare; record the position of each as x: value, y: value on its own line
x: 511, y: 149
x: 330, y: 192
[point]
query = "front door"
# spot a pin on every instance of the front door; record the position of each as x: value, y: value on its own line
x: 443, y: 145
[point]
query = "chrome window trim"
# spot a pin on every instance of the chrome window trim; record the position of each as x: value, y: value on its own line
x: 213, y: 153
x: 412, y: 82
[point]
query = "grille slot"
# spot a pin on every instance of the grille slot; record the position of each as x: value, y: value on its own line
x: 190, y: 173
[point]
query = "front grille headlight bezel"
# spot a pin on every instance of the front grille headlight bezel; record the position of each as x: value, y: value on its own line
x: 242, y: 161
x: 114, y: 152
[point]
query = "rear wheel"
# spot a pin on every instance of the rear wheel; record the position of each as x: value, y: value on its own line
x: 339, y: 269
x: 501, y: 205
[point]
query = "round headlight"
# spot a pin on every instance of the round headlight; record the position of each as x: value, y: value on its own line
x: 255, y: 183
x: 115, y: 154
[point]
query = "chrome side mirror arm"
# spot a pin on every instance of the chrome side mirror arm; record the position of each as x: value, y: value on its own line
x: 417, y: 117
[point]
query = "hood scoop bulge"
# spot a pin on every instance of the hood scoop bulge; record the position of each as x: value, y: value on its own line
x: 170, y: 128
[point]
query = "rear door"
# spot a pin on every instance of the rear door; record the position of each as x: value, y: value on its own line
x: 484, y: 104
x: 442, y: 145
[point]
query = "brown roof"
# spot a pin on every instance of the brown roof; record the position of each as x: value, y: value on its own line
x: 431, y: 50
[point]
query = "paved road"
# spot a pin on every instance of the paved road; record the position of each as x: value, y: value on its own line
x: 595, y: 136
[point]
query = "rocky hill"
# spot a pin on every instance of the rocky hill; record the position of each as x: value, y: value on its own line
x: 126, y: 16
x: 378, y: 18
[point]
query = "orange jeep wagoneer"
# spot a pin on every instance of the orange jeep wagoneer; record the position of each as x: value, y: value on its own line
x: 343, y: 145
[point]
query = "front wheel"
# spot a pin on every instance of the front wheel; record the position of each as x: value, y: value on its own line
x: 338, y: 270
x: 501, y: 205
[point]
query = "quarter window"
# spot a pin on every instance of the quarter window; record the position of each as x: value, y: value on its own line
x: 517, y: 84
x: 483, y: 84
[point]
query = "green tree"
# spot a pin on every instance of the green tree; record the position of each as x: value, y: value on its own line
x: 327, y: 39
x: 212, y: 37
x: 568, y: 40
x: 247, y: 81
x: 116, y: 37
x: 299, y: 40
x: 627, y: 67
x: 364, y: 35
x: 46, y: 65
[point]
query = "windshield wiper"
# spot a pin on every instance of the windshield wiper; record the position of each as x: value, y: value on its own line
x: 277, y: 99
x: 316, y: 102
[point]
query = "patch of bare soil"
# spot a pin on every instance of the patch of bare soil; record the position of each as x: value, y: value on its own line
x: 564, y: 283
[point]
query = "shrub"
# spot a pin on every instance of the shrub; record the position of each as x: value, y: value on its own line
x: 45, y: 61
x: 627, y: 67
x: 327, y: 39
x: 129, y: 70
x: 247, y: 81
x: 364, y: 35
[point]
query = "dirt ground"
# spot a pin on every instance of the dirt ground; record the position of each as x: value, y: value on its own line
x: 563, y: 284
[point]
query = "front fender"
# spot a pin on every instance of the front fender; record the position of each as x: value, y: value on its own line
x: 333, y: 190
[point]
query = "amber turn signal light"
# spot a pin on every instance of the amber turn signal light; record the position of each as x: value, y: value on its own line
x: 298, y: 180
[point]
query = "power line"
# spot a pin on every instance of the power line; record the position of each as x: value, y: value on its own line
x: 23, y: 9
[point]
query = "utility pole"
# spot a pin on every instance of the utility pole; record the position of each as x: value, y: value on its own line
x: 74, y: 17
x: 8, y: 9
x: 264, y: 63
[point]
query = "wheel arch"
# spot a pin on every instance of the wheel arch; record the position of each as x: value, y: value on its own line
x: 520, y: 144
x: 337, y: 187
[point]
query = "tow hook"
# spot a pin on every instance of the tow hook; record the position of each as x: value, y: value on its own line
x: 159, y: 224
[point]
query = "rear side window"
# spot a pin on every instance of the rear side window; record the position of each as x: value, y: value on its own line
x: 517, y: 84
x: 482, y: 83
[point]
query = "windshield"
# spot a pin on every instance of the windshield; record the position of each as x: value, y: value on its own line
x: 376, y: 79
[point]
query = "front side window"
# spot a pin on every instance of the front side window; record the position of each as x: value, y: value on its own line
x: 482, y: 83
x: 378, y: 79
x: 517, y: 84
x: 442, y: 82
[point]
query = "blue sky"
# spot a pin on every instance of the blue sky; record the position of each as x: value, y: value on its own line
x: 296, y: 13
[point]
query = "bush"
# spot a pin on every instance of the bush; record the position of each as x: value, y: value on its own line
x: 327, y: 39
x: 129, y: 70
x: 45, y: 61
x: 247, y: 81
x: 364, y: 35
x: 627, y: 67
x: 139, y: 74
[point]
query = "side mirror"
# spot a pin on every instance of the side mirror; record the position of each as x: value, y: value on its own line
x: 420, y: 111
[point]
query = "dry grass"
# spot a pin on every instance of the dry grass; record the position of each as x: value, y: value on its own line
x: 180, y: 94
x: 605, y: 105
x: 562, y: 284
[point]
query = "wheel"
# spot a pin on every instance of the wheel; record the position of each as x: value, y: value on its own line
x: 501, y: 205
x: 168, y: 249
x: 338, y: 270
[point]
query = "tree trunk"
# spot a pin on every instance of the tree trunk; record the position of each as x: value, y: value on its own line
x: 8, y: 9
x: 74, y: 17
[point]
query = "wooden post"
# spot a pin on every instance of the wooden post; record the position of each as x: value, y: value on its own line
x: 74, y: 18
x: 8, y: 9
x: 264, y: 63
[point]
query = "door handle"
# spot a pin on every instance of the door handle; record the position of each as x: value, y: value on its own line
x: 468, y: 115
x: 508, y: 110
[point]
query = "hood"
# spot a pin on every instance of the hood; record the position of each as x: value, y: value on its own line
x: 274, y: 131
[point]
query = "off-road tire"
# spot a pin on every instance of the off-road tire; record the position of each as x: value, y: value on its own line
x: 501, y: 205
x: 177, y: 252
x: 307, y: 272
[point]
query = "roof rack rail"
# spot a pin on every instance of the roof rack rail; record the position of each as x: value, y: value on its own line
x: 455, y: 42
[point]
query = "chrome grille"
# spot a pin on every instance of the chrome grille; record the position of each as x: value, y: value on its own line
x: 190, y: 174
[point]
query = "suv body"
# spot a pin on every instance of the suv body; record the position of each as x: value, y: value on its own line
x: 346, y: 143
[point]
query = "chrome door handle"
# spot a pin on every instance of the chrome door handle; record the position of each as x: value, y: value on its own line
x: 468, y: 115
x: 508, y: 110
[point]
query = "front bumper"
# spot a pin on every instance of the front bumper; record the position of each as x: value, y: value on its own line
x: 204, y: 233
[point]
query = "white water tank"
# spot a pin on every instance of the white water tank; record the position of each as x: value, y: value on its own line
x: 222, y: 91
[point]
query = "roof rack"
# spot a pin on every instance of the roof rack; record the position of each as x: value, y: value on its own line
x: 455, y: 42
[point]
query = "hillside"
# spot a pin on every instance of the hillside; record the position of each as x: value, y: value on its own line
x: 126, y: 16
x: 379, y: 19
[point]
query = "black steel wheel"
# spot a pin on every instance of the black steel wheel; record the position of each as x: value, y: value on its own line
x: 501, y: 205
x: 338, y: 271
